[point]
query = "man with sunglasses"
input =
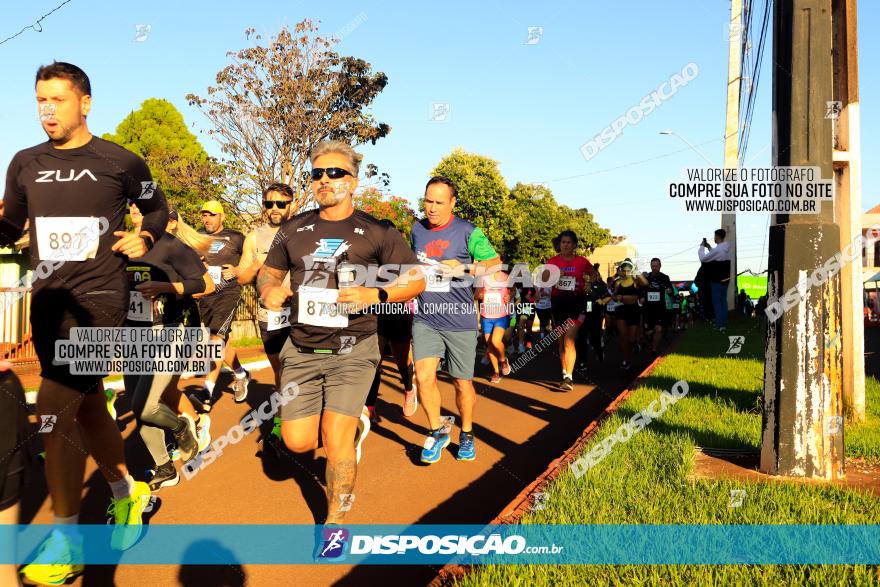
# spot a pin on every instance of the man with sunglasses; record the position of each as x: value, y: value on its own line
x: 274, y: 326
x: 332, y: 351
x: 218, y: 308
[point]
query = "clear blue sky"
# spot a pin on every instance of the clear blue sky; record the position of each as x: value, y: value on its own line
x: 530, y: 107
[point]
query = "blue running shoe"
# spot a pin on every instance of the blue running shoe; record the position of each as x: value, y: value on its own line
x: 466, y: 449
x: 434, y: 446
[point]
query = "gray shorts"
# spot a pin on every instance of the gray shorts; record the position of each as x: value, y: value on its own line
x: 458, y: 347
x: 335, y: 383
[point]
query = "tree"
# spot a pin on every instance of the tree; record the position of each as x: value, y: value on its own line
x: 483, y: 197
x: 177, y: 161
x: 393, y: 208
x: 538, y: 217
x: 580, y: 220
x: 273, y: 103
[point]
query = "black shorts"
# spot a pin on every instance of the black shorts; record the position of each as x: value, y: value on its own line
x: 565, y: 307
x: 629, y: 313
x: 55, y: 311
x: 218, y: 312
x: 395, y: 328
x: 15, y: 455
x: 273, y: 340
x: 657, y: 317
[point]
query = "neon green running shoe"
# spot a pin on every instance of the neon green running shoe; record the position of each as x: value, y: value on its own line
x: 111, y: 399
x: 276, y: 430
x: 128, y: 514
x: 59, y: 560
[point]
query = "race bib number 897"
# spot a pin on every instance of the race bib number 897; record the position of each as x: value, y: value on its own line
x: 66, y: 238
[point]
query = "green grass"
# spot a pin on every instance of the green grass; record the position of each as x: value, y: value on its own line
x: 247, y: 341
x: 645, y: 481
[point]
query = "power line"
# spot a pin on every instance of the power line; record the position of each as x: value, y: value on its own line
x: 36, y: 24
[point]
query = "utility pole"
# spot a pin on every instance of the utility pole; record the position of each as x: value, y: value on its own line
x: 802, y: 419
x: 844, y: 114
x: 731, y: 131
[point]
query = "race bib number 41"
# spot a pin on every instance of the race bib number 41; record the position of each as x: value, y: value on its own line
x: 140, y: 309
x: 318, y: 308
x: 66, y: 238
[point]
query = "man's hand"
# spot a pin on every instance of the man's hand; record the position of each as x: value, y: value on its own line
x: 358, y: 298
x: 229, y: 272
x: 129, y: 244
x: 151, y: 289
x: 275, y: 296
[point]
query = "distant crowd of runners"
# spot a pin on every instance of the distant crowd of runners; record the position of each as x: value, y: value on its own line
x: 324, y: 328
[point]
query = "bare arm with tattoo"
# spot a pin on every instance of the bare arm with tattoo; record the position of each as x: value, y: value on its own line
x: 271, y: 291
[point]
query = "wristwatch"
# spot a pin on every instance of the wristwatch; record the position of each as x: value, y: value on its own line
x: 383, y: 296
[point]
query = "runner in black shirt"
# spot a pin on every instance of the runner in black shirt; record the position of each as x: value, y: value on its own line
x: 331, y: 355
x: 657, y: 317
x: 218, y: 309
x: 72, y: 190
x: 162, y: 285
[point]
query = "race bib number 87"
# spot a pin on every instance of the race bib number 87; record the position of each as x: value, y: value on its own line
x: 318, y: 308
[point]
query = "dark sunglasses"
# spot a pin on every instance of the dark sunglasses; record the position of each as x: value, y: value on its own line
x: 332, y: 173
x: 268, y: 204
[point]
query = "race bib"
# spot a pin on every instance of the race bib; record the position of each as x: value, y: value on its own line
x: 676, y: 306
x: 437, y: 278
x: 216, y: 273
x: 612, y: 305
x: 140, y: 309
x: 67, y: 238
x: 277, y: 320
x: 589, y: 306
x: 653, y: 296
x: 566, y: 283
x: 318, y: 307
x: 493, y: 300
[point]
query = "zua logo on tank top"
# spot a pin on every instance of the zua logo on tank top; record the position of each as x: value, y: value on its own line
x: 51, y: 176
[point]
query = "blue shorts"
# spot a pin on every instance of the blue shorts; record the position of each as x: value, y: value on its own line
x: 490, y: 324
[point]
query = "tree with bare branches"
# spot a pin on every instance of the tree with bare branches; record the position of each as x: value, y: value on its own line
x: 274, y: 102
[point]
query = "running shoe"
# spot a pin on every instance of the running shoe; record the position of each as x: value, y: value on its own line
x: 111, y: 400
x: 410, y: 402
x: 496, y: 378
x: 374, y: 417
x: 165, y: 476
x: 466, y: 449
x: 522, y: 348
x: 187, y: 439
x: 567, y: 384
x: 434, y: 445
x: 203, y: 431
x: 240, y: 387
x: 58, y: 561
x: 128, y: 515
x: 201, y: 400
x: 276, y: 429
x: 362, y: 430
x: 529, y: 345
x: 505, y: 367
x: 174, y: 454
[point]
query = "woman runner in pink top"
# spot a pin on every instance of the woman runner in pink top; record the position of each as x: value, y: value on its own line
x: 494, y: 300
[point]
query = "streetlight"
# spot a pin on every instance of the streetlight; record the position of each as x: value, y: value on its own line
x: 688, y: 143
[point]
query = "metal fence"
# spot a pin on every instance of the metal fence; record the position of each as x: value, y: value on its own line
x: 16, y: 342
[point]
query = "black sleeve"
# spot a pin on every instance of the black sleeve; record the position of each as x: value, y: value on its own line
x: 277, y: 257
x: 189, y: 267
x: 394, y: 249
x: 147, y: 195
x: 15, y: 210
